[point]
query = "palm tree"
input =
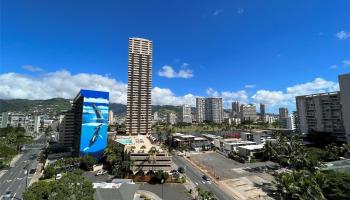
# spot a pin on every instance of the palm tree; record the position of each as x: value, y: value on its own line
x: 143, y: 147
x: 269, y: 151
x: 332, y: 152
x: 300, y: 185
x: 152, y: 155
x: 132, y: 149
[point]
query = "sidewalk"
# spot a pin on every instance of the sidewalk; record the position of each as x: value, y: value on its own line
x: 15, y: 159
x: 12, y: 163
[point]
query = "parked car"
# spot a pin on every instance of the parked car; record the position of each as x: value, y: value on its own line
x: 206, y: 178
x: 58, y: 176
x: 8, y: 194
x: 32, y: 171
x: 100, y: 172
x: 181, y: 170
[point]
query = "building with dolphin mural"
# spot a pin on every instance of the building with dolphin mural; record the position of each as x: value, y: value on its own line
x: 87, y: 123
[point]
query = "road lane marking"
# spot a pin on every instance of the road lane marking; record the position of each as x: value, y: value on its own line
x: 14, y: 196
x: 196, y: 183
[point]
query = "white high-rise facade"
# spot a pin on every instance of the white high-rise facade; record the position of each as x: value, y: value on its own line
x: 344, y: 84
x: 213, y: 110
x: 186, y: 115
x: 200, y: 110
x: 139, y: 116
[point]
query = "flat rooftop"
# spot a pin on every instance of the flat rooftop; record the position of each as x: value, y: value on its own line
x: 241, y: 143
x: 138, y: 141
x: 252, y: 147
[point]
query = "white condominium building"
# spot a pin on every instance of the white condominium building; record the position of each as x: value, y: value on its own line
x: 200, y: 110
x: 186, y: 115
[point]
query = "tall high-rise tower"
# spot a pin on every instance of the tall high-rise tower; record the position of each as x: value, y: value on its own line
x: 139, y: 87
x: 262, y: 109
x: 235, y: 109
x: 200, y: 109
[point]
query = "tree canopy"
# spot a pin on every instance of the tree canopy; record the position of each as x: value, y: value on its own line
x: 72, y: 186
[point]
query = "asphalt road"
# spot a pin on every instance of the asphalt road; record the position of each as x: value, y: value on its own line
x: 14, y: 179
x: 196, y: 177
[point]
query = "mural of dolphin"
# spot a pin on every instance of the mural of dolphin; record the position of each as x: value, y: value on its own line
x: 97, y: 112
x: 94, y: 137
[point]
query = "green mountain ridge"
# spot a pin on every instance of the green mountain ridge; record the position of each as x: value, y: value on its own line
x: 57, y: 105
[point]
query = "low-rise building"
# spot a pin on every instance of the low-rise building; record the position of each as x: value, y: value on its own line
x: 144, y: 155
x: 190, y: 142
x: 229, y: 145
x: 249, y: 150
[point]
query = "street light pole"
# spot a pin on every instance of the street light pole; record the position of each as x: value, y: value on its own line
x: 26, y: 173
x: 162, y: 181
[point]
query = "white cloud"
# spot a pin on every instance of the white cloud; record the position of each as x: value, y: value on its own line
x: 342, y: 35
x: 168, y: 72
x: 217, y: 12
x: 333, y: 66
x: 32, y: 68
x: 164, y: 96
x: 228, y: 96
x: 250, y: 86
x: 66, y: 85
x: 287, y: 98
x: 346, y: 63
x: 184, y: 65
x: 58, y: 84
x: 240, y: 11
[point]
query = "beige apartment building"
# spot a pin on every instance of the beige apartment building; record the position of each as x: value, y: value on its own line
x: 139, y: 115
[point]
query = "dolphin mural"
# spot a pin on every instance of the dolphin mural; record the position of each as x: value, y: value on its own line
x: 94, y: 137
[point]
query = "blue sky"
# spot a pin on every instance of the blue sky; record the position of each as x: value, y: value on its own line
x: 250, y: 51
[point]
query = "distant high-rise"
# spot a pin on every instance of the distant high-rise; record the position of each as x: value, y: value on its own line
x: 200, y: 110
x: 262, y: 112
x: 186, y: 115
x: 171, y: 118
x: 283, y: 113
x: 262, y: 109
x: 248, y: 112
x: 213, y: 110
x: 110, y: 117
x: 139, y: 114
x: 235, y: 109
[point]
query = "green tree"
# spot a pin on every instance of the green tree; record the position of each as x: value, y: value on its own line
x: 72, y: 186
x: 87, y: 162
x: 49, y: 171
x: 205, y: 195
x: 337, y: 185
x: 300, y: 185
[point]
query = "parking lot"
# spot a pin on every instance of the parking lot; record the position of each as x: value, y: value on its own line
x: 242, y: 180
x: 219, y: 166
x: 96, y: 179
